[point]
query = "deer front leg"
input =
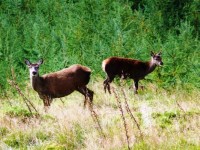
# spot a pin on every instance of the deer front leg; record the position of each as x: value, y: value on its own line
x: 47, y: 102
x: 88, y: 94
x: 136, y: 86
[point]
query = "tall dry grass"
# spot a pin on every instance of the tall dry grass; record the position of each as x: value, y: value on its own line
x: 69, y: 126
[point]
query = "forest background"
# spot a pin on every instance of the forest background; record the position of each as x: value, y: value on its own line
x: 67, y: 32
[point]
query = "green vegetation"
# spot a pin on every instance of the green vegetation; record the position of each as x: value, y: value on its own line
x: 18, y: 112
x: 18, y: 140
x: 166, y: 118
x: 66, y: 32
x: 86, y: 32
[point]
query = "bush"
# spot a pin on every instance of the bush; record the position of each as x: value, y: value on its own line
x: 86, y: 32
x: 18, y: 112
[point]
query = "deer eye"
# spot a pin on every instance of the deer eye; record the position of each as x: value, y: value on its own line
x: 157, y: 58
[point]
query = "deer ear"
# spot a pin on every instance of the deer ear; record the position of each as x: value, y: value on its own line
x: 160, y: 53
x: 27, y: 62
x: 152, y: 53
x: 40, y: 62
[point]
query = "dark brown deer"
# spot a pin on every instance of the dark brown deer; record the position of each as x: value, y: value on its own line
x: 129, y: 68
x: 61, y: 83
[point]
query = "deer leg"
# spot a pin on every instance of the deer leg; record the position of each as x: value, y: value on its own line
x: 90, y: 94
x: 136, y: 86
x: 87, y: 94
x: 50, y: 100
x: 47, y: 102
x: 107, y: 83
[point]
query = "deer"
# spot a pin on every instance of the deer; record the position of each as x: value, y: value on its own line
x: 129, y: 68
x: 61, y: 83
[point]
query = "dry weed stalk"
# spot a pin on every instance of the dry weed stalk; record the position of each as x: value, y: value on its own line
x: 14, y: 84
x: 62, y: 101
x: 130, y: 113
x: 179, y: 106
x: 122, y: 115
x: 96, y: 118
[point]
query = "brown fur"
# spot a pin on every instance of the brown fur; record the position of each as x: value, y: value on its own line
x: 127, y: 68
x: 62, y: 83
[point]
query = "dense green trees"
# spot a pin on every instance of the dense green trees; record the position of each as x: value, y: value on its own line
x: 66, y: 32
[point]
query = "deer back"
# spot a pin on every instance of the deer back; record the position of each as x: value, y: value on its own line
x: 65, y: 81
x: 124, y: 66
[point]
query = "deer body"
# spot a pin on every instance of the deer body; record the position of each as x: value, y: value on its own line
x: 128, y: 68
x: 61, y: 83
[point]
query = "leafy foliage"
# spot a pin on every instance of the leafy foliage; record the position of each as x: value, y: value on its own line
x: 86, y: 32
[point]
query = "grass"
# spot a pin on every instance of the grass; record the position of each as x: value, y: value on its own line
x: 68, y: 125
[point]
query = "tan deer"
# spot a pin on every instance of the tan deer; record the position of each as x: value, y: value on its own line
x: 61, y: 83
x: 129, y: 68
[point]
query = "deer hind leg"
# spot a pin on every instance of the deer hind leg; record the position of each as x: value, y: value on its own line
x: 106, y: 84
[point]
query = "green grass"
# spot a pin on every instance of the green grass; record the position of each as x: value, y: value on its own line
x: 18, y: 112
x: 165, y: 119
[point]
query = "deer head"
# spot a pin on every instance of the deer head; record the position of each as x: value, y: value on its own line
x: 33, y: 68
x: 156, y: 58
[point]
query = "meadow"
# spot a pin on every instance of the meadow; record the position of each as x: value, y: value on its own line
x: 166, y: 120
x: 164, y: 115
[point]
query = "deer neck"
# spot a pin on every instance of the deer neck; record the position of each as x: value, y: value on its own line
x: 151, y: 66
x: 36, y: 82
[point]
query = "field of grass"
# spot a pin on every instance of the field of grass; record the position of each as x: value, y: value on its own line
x: 166, y: 120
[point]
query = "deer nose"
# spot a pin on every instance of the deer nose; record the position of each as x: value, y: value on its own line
x: 34, y: 73
x: 161, y: 63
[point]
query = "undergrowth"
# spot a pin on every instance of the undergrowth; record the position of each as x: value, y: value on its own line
x: 163, y: 124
